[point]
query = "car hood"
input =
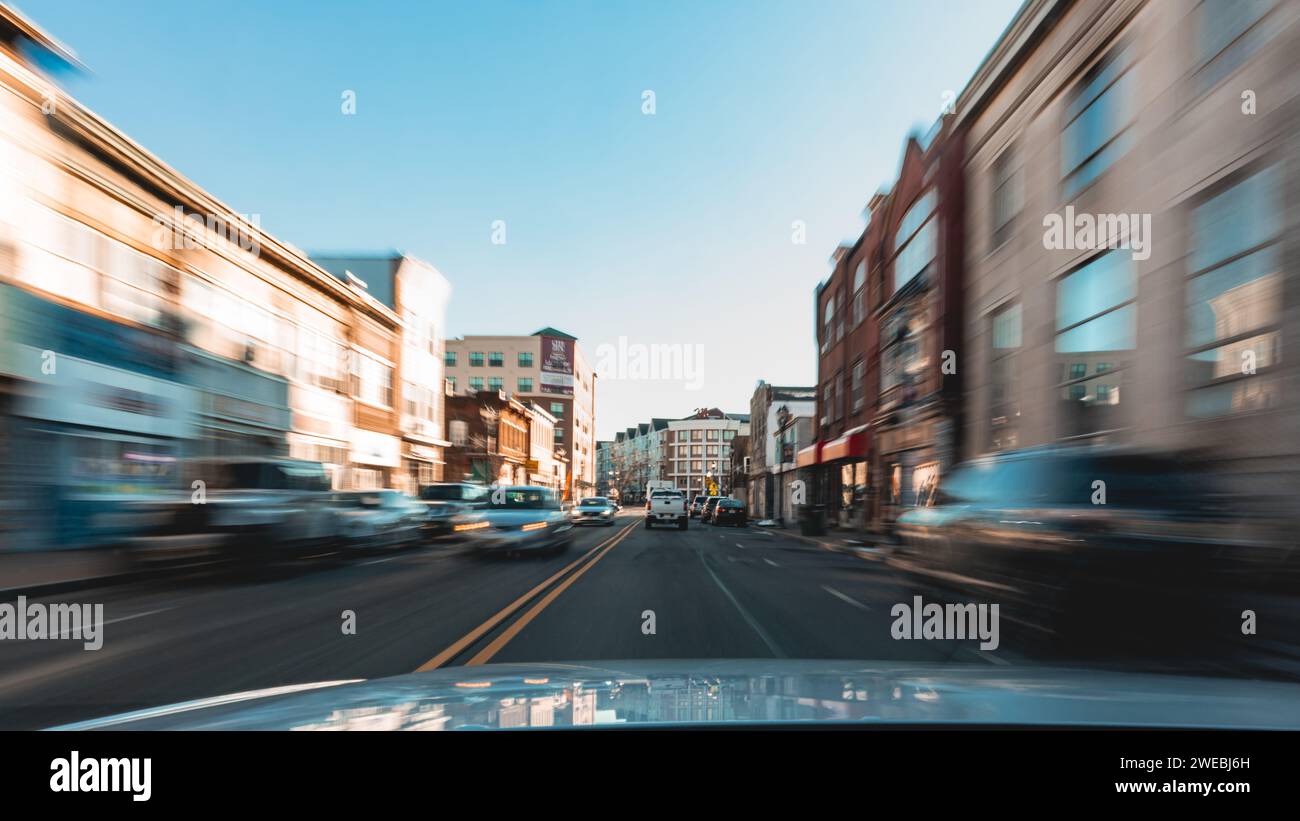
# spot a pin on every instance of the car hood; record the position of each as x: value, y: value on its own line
x: 719, y: 693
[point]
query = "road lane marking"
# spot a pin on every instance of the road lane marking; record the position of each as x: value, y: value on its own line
x: 65, y: 633
x: 472, y: 636
x: 769, y: 561
x: 744, y: 614
x: 381, y: 561
x: 741, y: 546
x: 846, y: 599
x: 485, y: 655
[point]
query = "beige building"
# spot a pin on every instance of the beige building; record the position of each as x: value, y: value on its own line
x: 144, y: 321
x: 548, y: 369
x: 418, y: 294
x: 1180, y: 113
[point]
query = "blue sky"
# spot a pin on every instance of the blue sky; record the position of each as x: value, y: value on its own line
x: 673, y: 228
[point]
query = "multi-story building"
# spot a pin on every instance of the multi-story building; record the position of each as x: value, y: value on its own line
x: 418, y: 294
x: 489, y: 436
x: 697, y: 450
x: 604, y: 467
x: 547, y: 367
x: 144, y: 321
x: 888, y: 332
x: 544, y: 468
x: 780, y: 424
x: 1182, y: 115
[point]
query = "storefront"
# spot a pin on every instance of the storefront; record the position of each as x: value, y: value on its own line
x: 83, y: 439
x: 838, y: 478
x: 374, y: 459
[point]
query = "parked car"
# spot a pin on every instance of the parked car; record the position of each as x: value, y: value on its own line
x: 1077, y: 536
x: 594, y: 510
x: 667, y: 506
x: 730, y: 512
x: 258, y: 508
x: 518, y: 519
x: 697, y: 504
x: 447, y: 504
x: 378, y: 518
x: 710, y: 502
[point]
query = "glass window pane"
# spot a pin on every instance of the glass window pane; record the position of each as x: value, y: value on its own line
x: 1103, y: 283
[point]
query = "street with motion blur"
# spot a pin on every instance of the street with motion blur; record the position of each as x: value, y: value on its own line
x: 619, y: 596
x: 1030, y: 454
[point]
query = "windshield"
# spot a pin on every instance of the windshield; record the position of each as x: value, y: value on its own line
x: 628, y: 332
x: 524, y: 498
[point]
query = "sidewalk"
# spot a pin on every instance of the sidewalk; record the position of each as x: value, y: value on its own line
x: 865, y: 545
x: 38, y: 571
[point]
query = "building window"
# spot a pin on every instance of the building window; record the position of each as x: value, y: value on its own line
x: 372, y: 380
x: 1228, y: 32
x: 1234, y: 298
x: 451, y: 384
x: 459, y: 432
x: 449, y: 359
x: 557, y: 410
x: 559, y: 434
x: 476, y: 359
x: 857, y: 393
x: 828, y: 316
x: 1097, y: 120
x: 1008, y: 194
x: 496, y: 359
x: 1096, y: 316
x: 728, y: 435
x: 711, y: 435
x: 525, y: 384
x: 525, y: 359
x: 916, y: 241
x: 476, y: 383
x: 859, y: 293
x: 1004, y: 410
x: 495, y: 383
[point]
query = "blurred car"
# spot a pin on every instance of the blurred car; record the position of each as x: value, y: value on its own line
x: 258, y: 508
x: 697, y: 504
x: 594, y: 510
x: 667, y: 506
x: 1077, y: 536
x: 378, y: 518
x: 730, y: 512
x: 706, y: 511
x: 447, y: 504
x: 518, y: 519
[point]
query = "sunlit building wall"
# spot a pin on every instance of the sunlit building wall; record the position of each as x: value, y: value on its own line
x: 1182, y: 111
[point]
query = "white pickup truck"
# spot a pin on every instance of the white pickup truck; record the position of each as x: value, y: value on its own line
x: 667, y: 506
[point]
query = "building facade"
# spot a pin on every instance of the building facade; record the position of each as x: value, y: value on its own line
x: 697, y: 451
x: 548, y: 367
x: 1173, y: 125
x: 418, y: 294
x: 489, y: 439
x: 145, y: 322
x: 780, y: 424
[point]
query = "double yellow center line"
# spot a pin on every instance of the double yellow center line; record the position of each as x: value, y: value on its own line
x: 483, y: 656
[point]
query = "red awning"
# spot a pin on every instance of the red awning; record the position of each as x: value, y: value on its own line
x: 808, y: 456
x: 855, y: 444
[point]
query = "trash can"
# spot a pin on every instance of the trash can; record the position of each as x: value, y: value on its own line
x: 812, y: 520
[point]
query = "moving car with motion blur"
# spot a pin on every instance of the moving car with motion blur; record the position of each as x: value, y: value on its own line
x: 667, y: 506
x: 447, y: 504
x: 371, y: 519
x: 706, y: 511
x: 697, y: 505
x: 594, y: 510
x: 518, y: 519
x: 730, y: 512
x: 1081, y: 536
x: 256, y: 508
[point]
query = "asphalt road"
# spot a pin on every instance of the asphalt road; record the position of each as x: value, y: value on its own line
x: 711, y: 593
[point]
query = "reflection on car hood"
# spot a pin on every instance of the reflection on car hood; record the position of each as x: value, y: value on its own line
x: 711, y: 693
